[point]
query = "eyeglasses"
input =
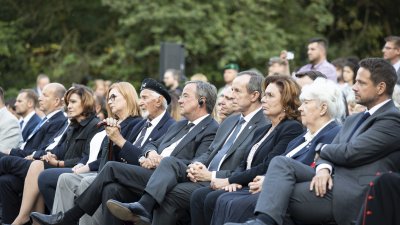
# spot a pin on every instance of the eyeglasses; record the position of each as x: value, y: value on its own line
x: 112, y: 98
x: 388, y: 48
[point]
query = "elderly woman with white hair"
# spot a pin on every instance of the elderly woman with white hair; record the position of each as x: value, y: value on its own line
x: 321, y: 111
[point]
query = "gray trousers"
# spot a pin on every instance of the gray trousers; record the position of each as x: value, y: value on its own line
x: 286, y: 189
x: 69, y: 187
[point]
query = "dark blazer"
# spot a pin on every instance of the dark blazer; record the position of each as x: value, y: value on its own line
x: 275, y: 144
x: 127, y: 126
x: 307, y: 154
x: 43, y: 137
x: 373, y: 148
x: 237, y: 151
x: 74, y: 144
x: 129, y: 153
x: 30, y: 126
x: 195, y: 143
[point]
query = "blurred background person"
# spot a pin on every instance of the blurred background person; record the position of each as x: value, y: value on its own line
x: 41, y: 81
x: 225, y: 105
x: 230, y: 73
x: 172, y: 78
x: 199, y: 76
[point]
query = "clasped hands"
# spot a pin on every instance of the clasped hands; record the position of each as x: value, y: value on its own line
x: 113, y: 130
x: 50, y: 158
x: 198, y: 172
x: 223, y: 184
x: 152, y: 160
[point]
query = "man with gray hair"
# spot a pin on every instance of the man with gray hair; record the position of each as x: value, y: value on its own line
x: 184, y: 140
x: 172, y: 183
x: 10, y: 133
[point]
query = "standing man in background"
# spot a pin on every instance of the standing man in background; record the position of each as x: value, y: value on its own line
x: 317, y: 52
x: 391, y: 52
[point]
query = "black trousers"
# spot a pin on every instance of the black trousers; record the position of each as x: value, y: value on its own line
x: 13, y: 171
x: 118, y: 181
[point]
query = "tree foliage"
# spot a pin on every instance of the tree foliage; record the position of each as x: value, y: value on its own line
x: 77, y: 41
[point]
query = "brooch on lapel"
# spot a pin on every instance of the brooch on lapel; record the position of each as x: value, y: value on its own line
x: 250, y: 127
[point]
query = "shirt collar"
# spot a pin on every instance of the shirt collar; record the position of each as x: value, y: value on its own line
x: 308, y: 136
x: 27, y: 117
x: 156, y: 120
x: 250, y: 115
x: 396, y: 65
x: 376, y: 107
x: 52, y: 114
x: 198, y: 120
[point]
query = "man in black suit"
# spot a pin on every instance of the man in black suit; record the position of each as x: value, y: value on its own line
x: 50, y: 102
x: 170, y: 186
x: 367, y: 144
x: 25, y: 107
x: 185, y: 140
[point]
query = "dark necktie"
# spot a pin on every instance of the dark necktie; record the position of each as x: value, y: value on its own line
x: 21, y: 123
x: 214, y: 164
x: 362, y: 119
x: 138, y: 142
x: 181, y: 133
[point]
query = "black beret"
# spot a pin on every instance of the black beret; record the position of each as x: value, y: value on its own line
x: 156, y: 86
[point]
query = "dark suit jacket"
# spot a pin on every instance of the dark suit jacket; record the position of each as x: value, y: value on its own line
x: 195, y: 143
x: 306, y: 155
x: 275, y: 144
x: 127, y: 126
x: 43, y: 137
x: 237, y: 151
x: 74, y: 144
x: 129, y: 153
x: 373, y: 148
x: 30, y: 126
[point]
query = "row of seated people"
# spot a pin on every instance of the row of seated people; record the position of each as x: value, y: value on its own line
x: 192, y: 165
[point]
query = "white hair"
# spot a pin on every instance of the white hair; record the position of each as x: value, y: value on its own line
x: 325, y: 91
x: 157, y: 95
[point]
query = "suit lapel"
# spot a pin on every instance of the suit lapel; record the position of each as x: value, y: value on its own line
x: 312, y: 142
x: 156, y: 129
x: 191, y: 135
x: 245, y: 133
x: 367, y: 122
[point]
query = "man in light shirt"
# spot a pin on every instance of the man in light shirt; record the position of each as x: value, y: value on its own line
x: 391, y: 52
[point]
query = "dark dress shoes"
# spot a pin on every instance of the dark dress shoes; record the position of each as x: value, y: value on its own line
x: 134, y: 212
x: 250, y: 222
x: 56, y: 219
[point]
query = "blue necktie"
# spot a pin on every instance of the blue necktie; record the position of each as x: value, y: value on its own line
x: 38, y: 127
x: 362, y: 119
x: 21, y: 123
x: 214, y: 164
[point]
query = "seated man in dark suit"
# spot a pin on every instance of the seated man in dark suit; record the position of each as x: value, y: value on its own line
x: 169, y: 186
x: 184, y: 140
x: 25, y: 107
x: 367, y: 144
x: 50, y: 103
